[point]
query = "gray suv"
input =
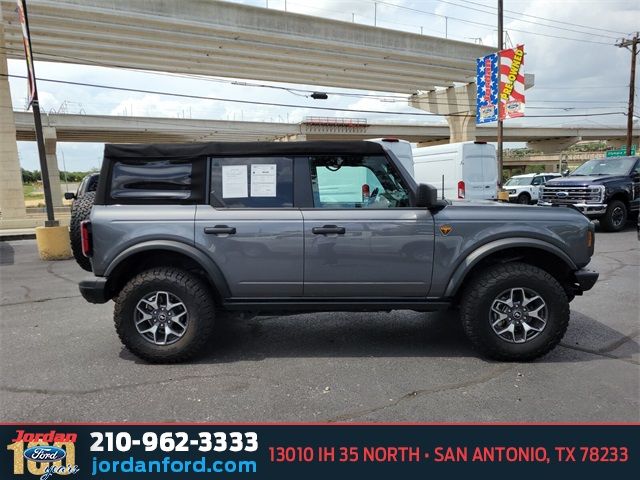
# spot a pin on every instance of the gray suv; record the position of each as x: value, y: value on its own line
x: 182, y: 235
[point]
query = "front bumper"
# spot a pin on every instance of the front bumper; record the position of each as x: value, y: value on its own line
x: 587, y: 209
x: 585, y: 280
x: 94, y: 290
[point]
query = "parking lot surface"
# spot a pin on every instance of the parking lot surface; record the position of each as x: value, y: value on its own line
x: 60, y: 360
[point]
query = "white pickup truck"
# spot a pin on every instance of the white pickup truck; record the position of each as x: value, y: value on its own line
x: 525, y: 189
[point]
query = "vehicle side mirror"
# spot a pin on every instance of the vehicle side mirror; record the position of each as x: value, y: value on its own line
x: 426, y: 196
x: 635, y: 176
x: 69, y: 195
x: 566, y: 172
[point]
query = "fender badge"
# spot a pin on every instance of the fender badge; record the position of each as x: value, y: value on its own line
x: 445, y: 229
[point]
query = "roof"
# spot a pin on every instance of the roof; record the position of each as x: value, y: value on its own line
x: 525, y: 175
x: 203, y: 150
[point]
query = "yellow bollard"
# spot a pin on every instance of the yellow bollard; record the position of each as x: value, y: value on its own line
x: 503, y: 196
x: 53, y: 243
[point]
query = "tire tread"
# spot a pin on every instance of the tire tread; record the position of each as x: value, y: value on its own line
x: 80, y: 211
x: 205, y: 309
x: 479, y: 288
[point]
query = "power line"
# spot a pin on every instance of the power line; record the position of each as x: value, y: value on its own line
x: 588, y: 27
x: 471, y: 22
x: 274, y: 104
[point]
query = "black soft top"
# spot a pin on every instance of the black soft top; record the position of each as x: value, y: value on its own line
x: 202, y: 150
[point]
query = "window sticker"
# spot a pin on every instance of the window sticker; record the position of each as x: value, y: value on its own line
x: 234, y: 181
x: 263, y: 180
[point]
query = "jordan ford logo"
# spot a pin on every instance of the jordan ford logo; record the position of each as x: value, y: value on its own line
x: 562, y: 194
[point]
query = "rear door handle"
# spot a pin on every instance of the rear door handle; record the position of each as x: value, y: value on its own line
x: 220, y: 230
x: 328, y: 229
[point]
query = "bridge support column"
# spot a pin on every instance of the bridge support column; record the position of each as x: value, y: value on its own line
x: 50, y: 144
x: 462, y: 128
x: 458, y: 104
x: 11, y: 193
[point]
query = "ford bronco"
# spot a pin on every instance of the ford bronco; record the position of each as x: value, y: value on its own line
x: 182, y: 235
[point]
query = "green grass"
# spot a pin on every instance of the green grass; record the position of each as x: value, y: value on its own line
x: 32, y: 192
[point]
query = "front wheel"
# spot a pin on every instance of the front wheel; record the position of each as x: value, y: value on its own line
x: 164, y: 315
x: 524, y: 199
x: 615, y: 218
x: 514, y: 312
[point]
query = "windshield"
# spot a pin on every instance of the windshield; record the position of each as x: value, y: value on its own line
x: 518, y: 181
x: 605, y: 166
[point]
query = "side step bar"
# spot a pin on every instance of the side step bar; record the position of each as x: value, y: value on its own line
x: 335, y: 304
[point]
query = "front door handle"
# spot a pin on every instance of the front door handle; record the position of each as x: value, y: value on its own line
x: 328, y: 229
x: 220, y: 230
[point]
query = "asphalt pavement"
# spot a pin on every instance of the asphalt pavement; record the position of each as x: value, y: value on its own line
x: 60, y: 360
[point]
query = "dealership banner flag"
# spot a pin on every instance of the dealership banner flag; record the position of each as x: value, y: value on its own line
x: 487, y: 85
x: 512, y: 83
x: 26, y: 39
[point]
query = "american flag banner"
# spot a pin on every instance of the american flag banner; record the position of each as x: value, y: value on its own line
x: 487, y: 89
x: 511, y: 83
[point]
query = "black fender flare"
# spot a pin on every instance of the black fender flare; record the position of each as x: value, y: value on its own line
x: 461, y: 271
x: 212, y: 270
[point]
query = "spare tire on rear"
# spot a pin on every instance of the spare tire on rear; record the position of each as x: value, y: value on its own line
x: 80, y: 210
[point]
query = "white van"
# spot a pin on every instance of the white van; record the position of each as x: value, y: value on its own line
x: 468, y: 170
x: 400, y: 148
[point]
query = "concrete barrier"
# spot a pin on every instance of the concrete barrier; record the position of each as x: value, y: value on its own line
x: 53, y: 243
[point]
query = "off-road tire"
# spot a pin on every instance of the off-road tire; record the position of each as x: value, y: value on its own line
x: 478, y: 297
x: 80, y: 210
x: 524, y: 199
x: 607, y: 222
x: 194, y: 293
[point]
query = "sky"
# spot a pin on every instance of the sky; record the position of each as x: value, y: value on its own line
x: 583, y: 73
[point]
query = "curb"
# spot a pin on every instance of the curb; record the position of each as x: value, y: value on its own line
x: 17, y: 236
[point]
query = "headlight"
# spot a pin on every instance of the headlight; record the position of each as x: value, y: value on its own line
x: 596, y: 194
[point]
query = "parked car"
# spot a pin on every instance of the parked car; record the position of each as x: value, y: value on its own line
x: 80, y: 210
x: 605, y: 189
x: 524, y: 189
x: 173, y: 253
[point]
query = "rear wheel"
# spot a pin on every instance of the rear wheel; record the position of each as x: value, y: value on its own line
x: 524, y: 199
x: 164, y: 315
x: 514, y: 312
x: 80, y: 211
x: 615, y: 218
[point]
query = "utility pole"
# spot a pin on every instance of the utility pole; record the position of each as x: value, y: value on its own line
x: 500, y: 130
x: 37, y: 120
x: 632, y: 45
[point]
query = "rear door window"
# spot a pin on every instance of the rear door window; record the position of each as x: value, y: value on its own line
x: 252, y: 182
x: 159, y: 180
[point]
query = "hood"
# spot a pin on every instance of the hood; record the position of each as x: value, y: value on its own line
x: 578, y: 180
x: 508, y: 212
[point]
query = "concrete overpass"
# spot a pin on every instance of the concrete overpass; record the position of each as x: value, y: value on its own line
x: 120, y: 129
x: 209, y: 37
